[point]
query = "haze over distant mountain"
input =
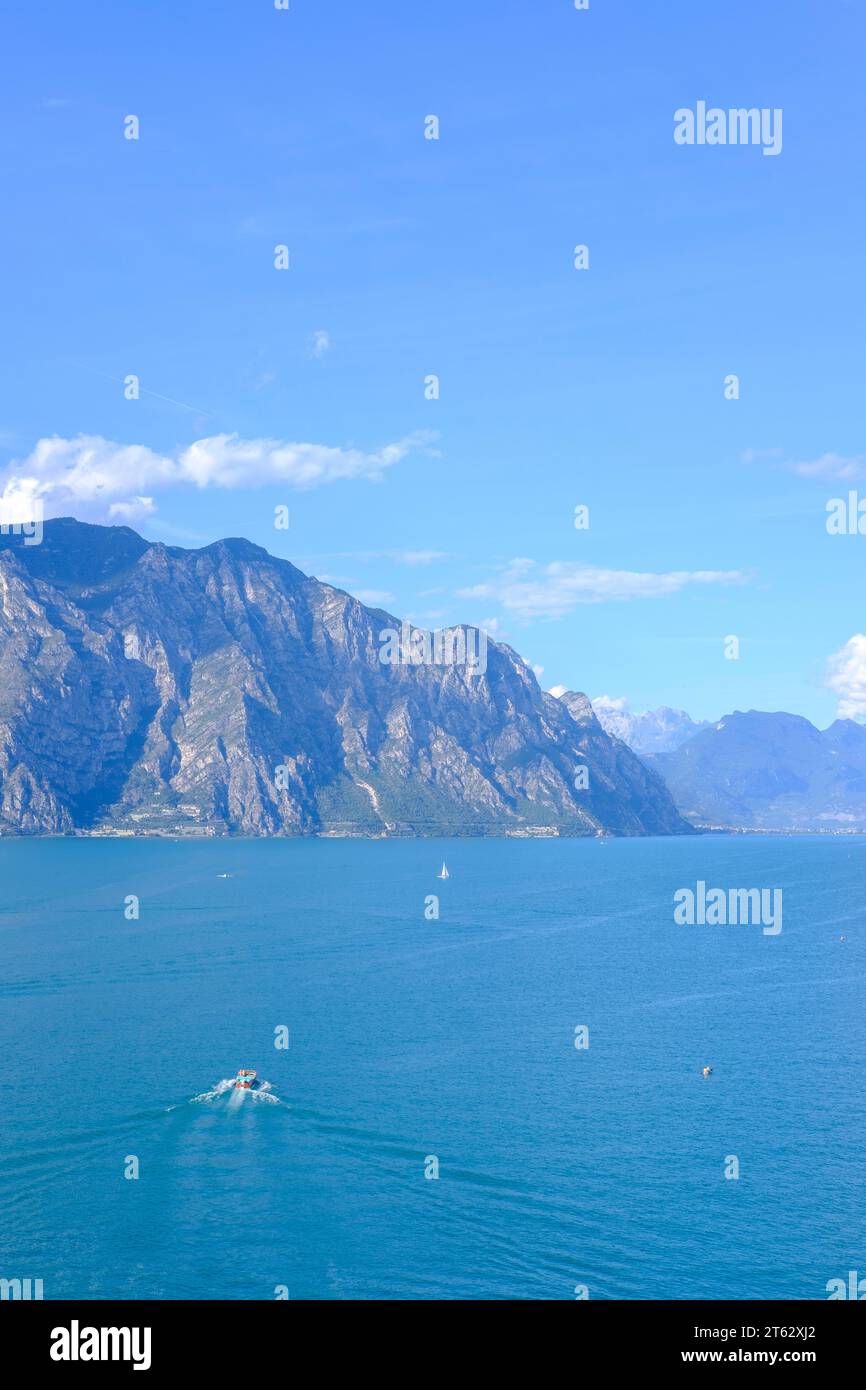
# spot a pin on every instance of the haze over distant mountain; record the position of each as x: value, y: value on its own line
x: 221, y: 690
x: 653, y: 731
x: 771, y: 772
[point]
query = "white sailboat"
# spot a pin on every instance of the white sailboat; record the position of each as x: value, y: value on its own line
x: 444, y: 871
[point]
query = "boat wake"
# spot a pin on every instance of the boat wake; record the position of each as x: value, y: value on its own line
x: 264, y: 1091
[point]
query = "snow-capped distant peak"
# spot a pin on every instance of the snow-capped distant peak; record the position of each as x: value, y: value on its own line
x: 648, y: 731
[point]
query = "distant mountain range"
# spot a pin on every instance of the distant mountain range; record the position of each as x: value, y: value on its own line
x: 752, y: 771
x: 146, y: 688
x: 654, y: 731
x: 770, y: 772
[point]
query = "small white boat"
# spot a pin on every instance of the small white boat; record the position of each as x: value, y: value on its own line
x: 443, y: 873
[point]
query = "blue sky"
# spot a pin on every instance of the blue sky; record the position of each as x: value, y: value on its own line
x: 409, y: 257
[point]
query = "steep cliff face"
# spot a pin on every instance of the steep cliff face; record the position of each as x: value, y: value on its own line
x: 72, y: 710
x: 144, y: 685
x: 617, y: 772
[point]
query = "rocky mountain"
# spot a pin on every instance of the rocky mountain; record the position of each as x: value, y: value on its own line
x: 611, y: 765
x: 653, y: 731
x: 771, y: 772
x: 223, y: 691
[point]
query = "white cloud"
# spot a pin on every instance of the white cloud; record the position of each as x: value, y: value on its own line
x: 374, y: 598
x: 427, y: 619
x: 557, y: 691
x: 134, y: 510
x: 841, y: 467
x: 419, y: 557
x: 318, y: 343
x: 551, y: 591
x: 762, y: 455
x: 846, y: 675
x: 93, y: 476
x: 831, y: 466
x: 616, y: 705
x: 398, y: 557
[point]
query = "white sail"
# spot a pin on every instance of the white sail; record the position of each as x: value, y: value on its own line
x: 444, y: 873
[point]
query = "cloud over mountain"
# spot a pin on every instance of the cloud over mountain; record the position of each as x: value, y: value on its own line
x: 96, y: 477
x: 530, y: 590
x: 846, y: 675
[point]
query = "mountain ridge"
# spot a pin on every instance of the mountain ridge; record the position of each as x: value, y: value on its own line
x: 222, y: 690
x: 765, y: 770
x: 649, y: 731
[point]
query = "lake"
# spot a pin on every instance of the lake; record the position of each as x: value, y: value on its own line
x: 419, y: 1044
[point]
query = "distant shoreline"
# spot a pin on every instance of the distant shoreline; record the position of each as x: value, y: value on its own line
x: 530, y: 833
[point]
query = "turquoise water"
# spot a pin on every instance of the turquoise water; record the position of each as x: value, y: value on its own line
x: 411, y: 1039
